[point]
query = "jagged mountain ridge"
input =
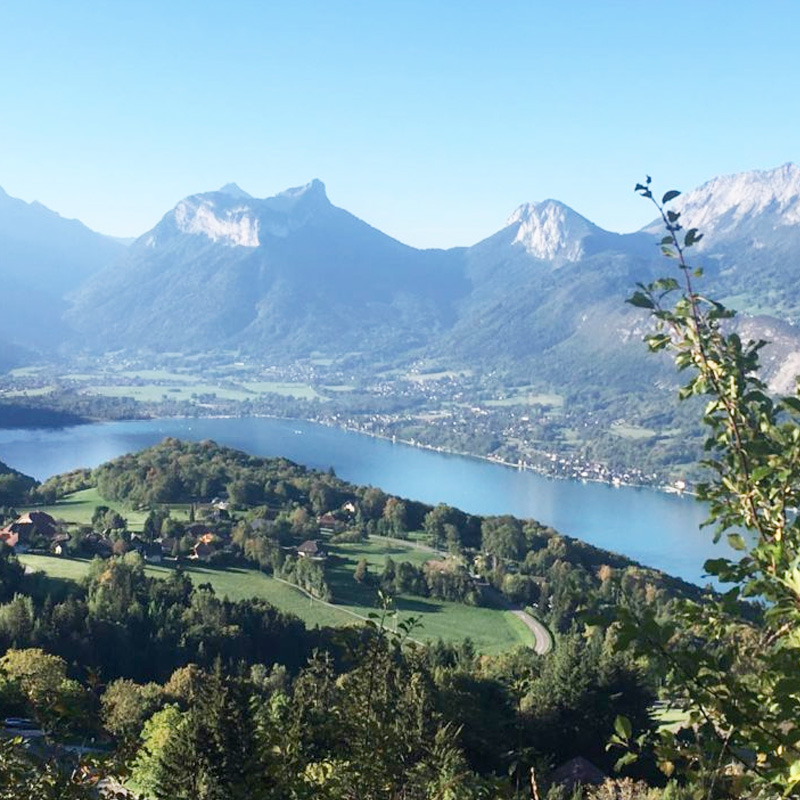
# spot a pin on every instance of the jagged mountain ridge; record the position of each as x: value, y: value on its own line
x: 751, y: 244
x: 722, y: 205
x: 293, y: 274
x: 286, y: 275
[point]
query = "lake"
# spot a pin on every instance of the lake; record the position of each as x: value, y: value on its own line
x: 654, y: 528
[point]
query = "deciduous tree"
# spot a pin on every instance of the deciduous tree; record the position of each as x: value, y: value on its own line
x: 730, y: 661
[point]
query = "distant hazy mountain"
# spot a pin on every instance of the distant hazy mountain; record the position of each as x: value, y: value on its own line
x: 539, y: 281
x: 42, y: 258
x: 751, y: 248
x: 285, y: 275
x: 292, y: 274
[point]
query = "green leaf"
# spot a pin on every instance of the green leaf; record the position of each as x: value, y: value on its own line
x: 666, y: 284
x: 793, y: 403
x: 628, y: 758
x: 736, y: 541
x: 622, y: 726
x: 692, y: 237
x: 713, y: 566
x: 759, y: 473
x: 640, y: 300
x: 670, y: 195
x: 656, y: 343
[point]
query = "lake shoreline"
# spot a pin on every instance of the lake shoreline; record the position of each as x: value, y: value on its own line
x: 652, y: 527
x: 543, y: 471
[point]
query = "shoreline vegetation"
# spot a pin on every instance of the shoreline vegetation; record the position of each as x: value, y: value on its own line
x: 273, y: 504
x: 521, y: 466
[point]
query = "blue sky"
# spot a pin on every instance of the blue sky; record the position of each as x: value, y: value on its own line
x: 430, y: 119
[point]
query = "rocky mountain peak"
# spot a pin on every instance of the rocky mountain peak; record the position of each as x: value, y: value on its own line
x: 234, y: 224
x: 312, y: 193
x: 730, y: 203
x: 233, y: 190
x: 550, y: 230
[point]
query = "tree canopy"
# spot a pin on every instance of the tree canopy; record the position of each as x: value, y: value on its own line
x: 730, y: 662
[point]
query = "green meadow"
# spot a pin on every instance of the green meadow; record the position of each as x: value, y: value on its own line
x: 78, y: 508
x: 492, y: 630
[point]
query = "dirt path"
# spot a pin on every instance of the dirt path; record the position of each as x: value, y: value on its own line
x: 334, y: 606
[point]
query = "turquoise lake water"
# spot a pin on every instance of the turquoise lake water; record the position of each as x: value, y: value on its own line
x: 654, y: 528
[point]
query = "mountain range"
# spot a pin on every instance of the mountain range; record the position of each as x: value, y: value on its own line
x: 292, y: 275
x: 43, y: 257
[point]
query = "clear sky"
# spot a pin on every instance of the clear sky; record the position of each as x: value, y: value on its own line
x: 430, y: 119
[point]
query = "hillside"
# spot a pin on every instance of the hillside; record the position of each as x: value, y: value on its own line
x: 184, y: 590
x: 303, y: 293
x: 283, y: 276
x: 43, y: 257
x: 293, y: 275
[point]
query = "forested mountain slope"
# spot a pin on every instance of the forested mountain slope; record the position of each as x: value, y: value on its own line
x: 284, y: 276
x: 292, y: 275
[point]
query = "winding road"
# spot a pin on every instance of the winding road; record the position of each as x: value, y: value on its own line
x: 544, y: 640
x: 543, y: 637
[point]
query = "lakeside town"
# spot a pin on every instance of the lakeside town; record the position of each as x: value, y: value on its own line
x: 520, y: 426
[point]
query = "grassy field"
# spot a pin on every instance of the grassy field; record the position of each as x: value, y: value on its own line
x: 156, y: 385
x: 528, y: 399
x: 152, y: 393
x: 157, y: 375
x: 669, y: 718
x: 339, y: 387
x: 39, y: 392
x: 71, y: 569
x: 422, y: 377
x: 236, y: 584
x: 492, y: 630
x: 634, y: 432
x: 80, y: 506
x: 299, y: 390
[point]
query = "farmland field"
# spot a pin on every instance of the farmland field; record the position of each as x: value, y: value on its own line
x: 299, y: 390
x: 492, y: 630
x: 528, y: 399
x: 152, y: 393
x: 634, y: 432
x: 79, y: 507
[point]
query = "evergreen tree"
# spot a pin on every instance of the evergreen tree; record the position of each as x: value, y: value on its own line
x: 211, y: 754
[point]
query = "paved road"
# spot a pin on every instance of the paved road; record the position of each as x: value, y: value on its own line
x: 544, y: 641
x: 543, y: 637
